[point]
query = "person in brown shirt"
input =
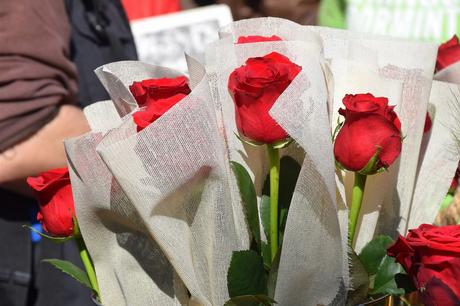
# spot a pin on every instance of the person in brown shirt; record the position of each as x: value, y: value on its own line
x: 38, y: 86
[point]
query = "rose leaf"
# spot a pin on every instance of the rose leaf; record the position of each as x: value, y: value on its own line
x: 72, y: 270
x: 246, y: 274
x: 249, y: 199
x: 373, y: 253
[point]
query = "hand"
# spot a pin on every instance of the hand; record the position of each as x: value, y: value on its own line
x: 45, y: 149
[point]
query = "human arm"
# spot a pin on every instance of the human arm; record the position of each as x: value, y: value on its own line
x: 37, y: 88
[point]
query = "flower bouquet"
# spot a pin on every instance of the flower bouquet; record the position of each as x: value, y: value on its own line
x: 279, y: 172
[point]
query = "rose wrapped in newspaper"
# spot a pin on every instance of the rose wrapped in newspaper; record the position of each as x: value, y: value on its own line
x: 431, y: 257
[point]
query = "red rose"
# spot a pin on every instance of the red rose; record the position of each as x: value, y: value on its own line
x: 149, y: 91
x: 254, y: 88
x: 431, y: 257
x: 256, y: 38
x: 158, y: 95
x: 370, y: 126
x: 448, y: 53
x: 155, y: 110
x: 54, y: 195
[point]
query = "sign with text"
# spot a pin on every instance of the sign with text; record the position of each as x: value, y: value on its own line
x: 429, y: 20
x: 162, y: 40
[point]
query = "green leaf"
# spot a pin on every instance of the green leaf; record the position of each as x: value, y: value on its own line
x: 404, y: 281
x: 246, y: 274
x: 265, y: 215
x: 372, y: 164
x: 249, y: 199
x: 373, y: 253
x: 266, y: 255
x: 359, y: 280
x: 249, y: 300
x: 54, y: 239
x: 273, y: 274
x: 384, y: 282
x: 70, y: 269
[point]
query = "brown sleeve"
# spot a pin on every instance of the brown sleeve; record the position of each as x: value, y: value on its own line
x: 36, y: 74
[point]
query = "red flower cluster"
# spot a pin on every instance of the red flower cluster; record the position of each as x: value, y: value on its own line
x: 255, y: 87
x: 431, y: 257
x: 54, y: 194
x: 371, y: 126
x: 158, y: 95
x: 448, y: 53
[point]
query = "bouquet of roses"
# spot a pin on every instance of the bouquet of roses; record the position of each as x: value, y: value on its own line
x: 270, y: 174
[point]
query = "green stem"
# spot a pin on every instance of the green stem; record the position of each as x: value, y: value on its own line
x: 274, y: 158
x: 356, y: 201
x: 88, y: 263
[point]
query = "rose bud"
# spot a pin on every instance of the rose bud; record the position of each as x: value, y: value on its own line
x: 54, y: 195
x: 151, y: 90
x: 370, y: 138
x: 448, y: 53
x: 431, y: 257
x: 158, y: 95
x: 256, y: 38
x: 255, y: 87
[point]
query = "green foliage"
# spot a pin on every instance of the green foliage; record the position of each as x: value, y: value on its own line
x: 373, y: 253
x: 246, y: 274
x: 273, y: 274
x: 265, y: 215
x: 381, y: 268
x: 359, y: 280
x: 384, y: 282
x: 52, y: 238
x: 249, y: 199
x: 70, y: 269
x: 250, y: 300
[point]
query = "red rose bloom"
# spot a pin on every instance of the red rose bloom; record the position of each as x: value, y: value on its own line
x: 54, y: 195
x: 431, y: 257
x: 149, y: 91
x: 448, y: 53
x: 158, y: 95
x: 154, y: 111
x: 255, y: 87
x: 370, y: 126
x: 256, y: 38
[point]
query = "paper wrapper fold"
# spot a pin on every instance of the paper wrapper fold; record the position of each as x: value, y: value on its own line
x: 175, y: 173
x: 312, y: 244
x: 131, y: 269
